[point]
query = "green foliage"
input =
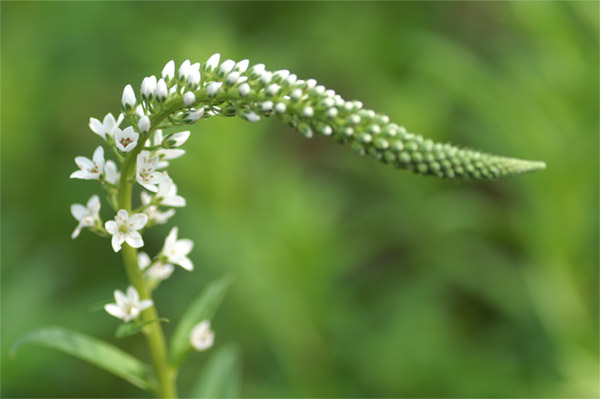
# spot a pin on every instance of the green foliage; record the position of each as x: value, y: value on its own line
x: 202, y: 308
x: 221, y: 376
x: 94, y: 351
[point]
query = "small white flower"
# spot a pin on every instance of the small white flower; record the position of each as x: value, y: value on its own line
x: 291, y: 80
x: 177, y: 139
x: 128, y: 99
x: 212, y: 62
x: 296, y: 94
x: 281, y: 75
x: 184, y: 71
x: 107, y: 127
x: 111, y: 174
x: 272, y: 89
x: 213, y: 88
x: 266, y: 106
x: 250, y: 116
x: 280, y: 108
x: 242, y: 66
x: 158, y: 271
x: 244, y: 89
x: 155, y: 215
x: 232, y: 78
x: 126, y: 139
x: 125, y: 229
x: 332, y: 112
x: 193, y: 116
x: 162, y: 91
x: 308, y: 112
x: 189, y: 98
x: 167, y: 193
x: 193, y: 78
x: 226, y: 67
x: 144, y: 124
x: 87, y: 216
x: 148, y: 88
x: 146, y: 174
x: 256, y: 70
x: 265, y: 77
x: 127, y: 307
x: 176, y: 251
x: 90, y: 169
x: 168, y: 71
x: 174, y: 140
x: 201, y: 336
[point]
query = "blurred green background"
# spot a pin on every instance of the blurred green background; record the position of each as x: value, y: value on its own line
x: 353, y: 279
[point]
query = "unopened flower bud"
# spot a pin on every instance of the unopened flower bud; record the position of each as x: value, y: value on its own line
x: 144, y: 124
x: 256, y: 71
x: 189, y: 98
x: 184, y: 71
x: 244, y: 89
x: 242, y: 66
x: 280, y: 108
x: 168, y: 72
x: 226, y: 67
x: 212, y: 63
x: 162, y: 92
x: 128, y: 99
x: 213, y: 88
x: 148, y: 88
x: 232, y: 78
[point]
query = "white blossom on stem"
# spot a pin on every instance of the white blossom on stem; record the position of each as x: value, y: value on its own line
x: 176, y: 251
x: 148, y: 88
x: 157, y: 270
x: 168, y: 72
x: 128, y: 306
x: 146, y: 174
x: 87, y: 216
x: 144, y: 124
x: 126, y: 139
x: 125, y: 229
x: 167, y: 194
x: 107, y: 127
x: 162, y: 92
x: 201, y: 336
x: 90, y: 169
x: 155, y: 215
x: 111, y: 173
x: 128, y: 100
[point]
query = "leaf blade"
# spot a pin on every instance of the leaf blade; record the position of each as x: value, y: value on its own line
x: 203, y: 307
x: 221, y: 377
x: 94, y: 351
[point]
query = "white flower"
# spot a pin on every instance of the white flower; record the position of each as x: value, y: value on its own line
x: 212, y: 62
x: 232, y: 78
x: 128, y: 99
x: 189, y: 98
x: 242, y: 66
x: 184, y: 71
x: 146, y: 174
x: 167, y: 194
x: 90, y: 169
x: 86, y: 215
x: 148, y: 88
x: 127, y: 307
x: 272, y: 89
x: 126, y: 139
x: 176, y: 251
x: 244, y: 89
x: 174, y: 140
x: 213, y: 88
x: 154, y: 213
x: 280, y: 108
x: 256, y: 70
x: 193, y: 116
x: 168, y: 71
x: 144, y: 124
x: 125, y: 229
x: 162, y: 92
x: 226, y: 67
x: 111, y: 174
x: 201, y: 336
x: 107, y: 127
x: 158, y: 271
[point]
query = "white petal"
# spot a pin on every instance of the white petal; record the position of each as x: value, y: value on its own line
x: 78, y: 211
x: 171, y: 239
x: 174, y: 200
x: 84, y: 163
x: 112, y: 227
x: 76, y: 232
x: 185, y: 263
x: 97, y: 127
x: 171, y: 154
x: 180, y: 137
x: 184, y: 246
x: 93, y: 204
x: 137, y: 221
x: 116, y: 241
x: 143, y: 260
x: 145, y: 304
x: 111, y: 174
x: 99, y: 157
x: 122, y: 216
x: 134, y: 239
x: 120, y: 298
x: 79, y: 174
x: 132, y: 295
x: 114, y: 310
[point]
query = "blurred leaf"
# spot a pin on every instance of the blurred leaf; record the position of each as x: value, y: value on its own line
x: 203, y: 307
x: 220, y: 378
x: 99, y: 353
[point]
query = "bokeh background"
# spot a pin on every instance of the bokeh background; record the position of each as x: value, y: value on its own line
x: 353, y: 279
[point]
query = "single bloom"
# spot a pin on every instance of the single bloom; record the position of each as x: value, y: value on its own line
x: 201, y: 336
x: 176, y: 251
x: 107, y: 127
x: 155, y: 215
x: 125, y: 229
x: 90, y: 169
x: 167, y: 194
x: 87, y: 216
x: 128, y: 306
x: 126, y: 139
x: 156, y: 271
x: 147, y: 175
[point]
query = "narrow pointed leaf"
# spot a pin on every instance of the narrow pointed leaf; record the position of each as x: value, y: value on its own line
x: 202, y: 308
x: 94, y: 351
x: 221, y: 377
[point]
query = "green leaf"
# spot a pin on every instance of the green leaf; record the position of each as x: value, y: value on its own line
x: 132, y: 328
x: 221, y: 377
x: 94, y: 351
x: 202, y: 308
